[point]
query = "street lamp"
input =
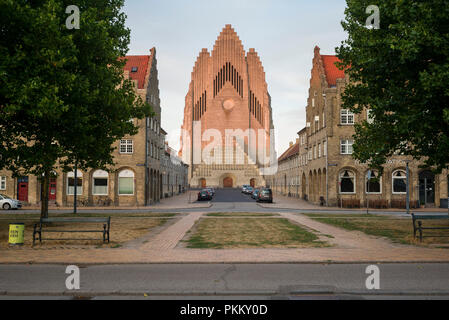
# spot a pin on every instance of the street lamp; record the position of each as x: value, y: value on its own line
x: 407, y: 203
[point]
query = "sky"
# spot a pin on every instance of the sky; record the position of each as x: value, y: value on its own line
x: 283, y: 32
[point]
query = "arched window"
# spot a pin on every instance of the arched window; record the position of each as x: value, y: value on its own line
x: 126, y: 182
x: 399, y: 179
x: 347, y: 182
x: 71, y: 183
x: 373, y: 183
x: 100, y: 183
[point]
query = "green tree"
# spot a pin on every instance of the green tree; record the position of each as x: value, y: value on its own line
x: 63, y: 96
x: 400, y: 72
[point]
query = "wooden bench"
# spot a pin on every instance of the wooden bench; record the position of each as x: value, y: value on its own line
x: 417, y: 219
x: 43, y: 222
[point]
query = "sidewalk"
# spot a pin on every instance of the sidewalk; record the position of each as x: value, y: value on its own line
x: 182, y: 201
x: 284, y: 202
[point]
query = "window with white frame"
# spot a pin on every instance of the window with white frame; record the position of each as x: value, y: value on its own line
x: 347, y: 181
x: 399, y: 179
x: 319, y: 150
x: 71, y: 183
x: 3, y: 183
x: 346, y: 117
x: 373, y: 183
x: 313, y: 102
x: 310, y: 154
x: 369, y: 116
x: 346, y: 146
x: 324, y: 121
x: 126, y: 182
x: 100, y: 182
x: 126, y: 146
x: 314, y: 152
x: 325, y: 148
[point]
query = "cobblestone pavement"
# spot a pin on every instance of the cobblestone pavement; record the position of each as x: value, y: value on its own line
x: 348, y: 247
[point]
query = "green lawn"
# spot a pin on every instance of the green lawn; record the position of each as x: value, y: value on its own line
x: 228, y: 233
x: 397, y: 229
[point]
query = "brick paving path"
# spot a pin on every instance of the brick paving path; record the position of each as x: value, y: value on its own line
x: 349, y: 247
x: 169, y: 238
x: 341, y: 238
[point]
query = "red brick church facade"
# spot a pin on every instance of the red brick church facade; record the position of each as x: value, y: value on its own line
x: 227, y: 97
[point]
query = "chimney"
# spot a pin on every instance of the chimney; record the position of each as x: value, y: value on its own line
x: 290, y: 143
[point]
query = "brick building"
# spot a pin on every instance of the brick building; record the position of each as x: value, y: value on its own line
x: 136, y: 179
x: 174, y: 173
x: 286, y: 179
x: 327, y: 171
x: 227, y: 97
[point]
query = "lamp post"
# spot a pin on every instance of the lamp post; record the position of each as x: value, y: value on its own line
x: 367, y: 191
x: 76, y: 186
x: 407, y: 202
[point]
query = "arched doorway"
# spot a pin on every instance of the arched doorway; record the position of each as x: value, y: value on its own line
x: 202, y: 183
x: 227, y: 182
x: 427, y: 188
x: 252, y: 182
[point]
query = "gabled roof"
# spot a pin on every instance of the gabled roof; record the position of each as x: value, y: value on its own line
x: 141, y: 62
x: 331, y: 70
x: 292, y: 150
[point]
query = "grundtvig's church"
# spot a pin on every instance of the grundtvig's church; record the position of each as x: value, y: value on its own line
x: 227, y: 137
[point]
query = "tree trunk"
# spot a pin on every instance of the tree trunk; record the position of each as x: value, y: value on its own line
x: 44, y: 194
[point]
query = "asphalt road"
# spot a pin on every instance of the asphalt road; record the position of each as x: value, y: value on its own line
x: 236, y: 281
x: 225, y: 200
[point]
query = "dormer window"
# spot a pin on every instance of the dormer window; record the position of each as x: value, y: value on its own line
x: 134, y: 69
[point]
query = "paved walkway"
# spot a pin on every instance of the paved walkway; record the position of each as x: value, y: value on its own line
x: 341, y: 238
x: 349, y: 246
x: 169, y: 238
x: 185, y: 200
x: 284, y: 202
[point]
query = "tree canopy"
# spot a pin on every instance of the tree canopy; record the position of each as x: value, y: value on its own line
x: 400, y: 72
x: 63, y: 96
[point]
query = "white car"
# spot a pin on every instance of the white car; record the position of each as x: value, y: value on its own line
x: 7, y: 203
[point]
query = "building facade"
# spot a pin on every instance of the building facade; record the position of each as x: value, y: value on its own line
x: 328, y: 174
x: 174, y: 173
x: 136, y: 178
x: 286, y: 179
x: 227, y: 116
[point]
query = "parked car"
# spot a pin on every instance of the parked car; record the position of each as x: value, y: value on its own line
x: 249, y: 190
x: 266, y: 195
x: 244, y: 188
x: 7, y: 203
x: 204, y: 195
x: 211, y: 191
x: 255, y: 193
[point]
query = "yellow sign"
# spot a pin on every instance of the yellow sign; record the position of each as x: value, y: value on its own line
x: 16, y: 233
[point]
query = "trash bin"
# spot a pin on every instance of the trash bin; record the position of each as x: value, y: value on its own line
x: 16, y: 234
